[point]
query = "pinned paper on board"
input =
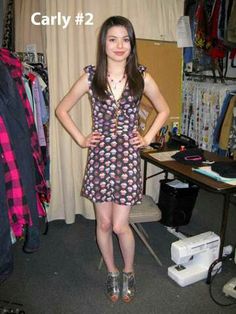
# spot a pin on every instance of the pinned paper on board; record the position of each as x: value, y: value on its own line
x: 183, y: 32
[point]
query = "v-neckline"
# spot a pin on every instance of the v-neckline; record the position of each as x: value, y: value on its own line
x: 112, y: 94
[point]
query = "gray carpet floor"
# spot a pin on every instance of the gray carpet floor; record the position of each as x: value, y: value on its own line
x: 63, y: 276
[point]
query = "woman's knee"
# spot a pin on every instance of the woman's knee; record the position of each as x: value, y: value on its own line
x: 120, y: 228
x: 104, y: 225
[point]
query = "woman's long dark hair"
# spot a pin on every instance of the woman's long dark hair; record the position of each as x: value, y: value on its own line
x: 134, y: 77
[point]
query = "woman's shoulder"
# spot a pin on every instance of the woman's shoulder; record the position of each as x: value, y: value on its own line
x: 90, y: 69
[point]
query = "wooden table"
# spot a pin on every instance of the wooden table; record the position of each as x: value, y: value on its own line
x: 185, y: 172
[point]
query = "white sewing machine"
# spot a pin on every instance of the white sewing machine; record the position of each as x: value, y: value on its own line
x: 193, y: 257
x: 229, y: 288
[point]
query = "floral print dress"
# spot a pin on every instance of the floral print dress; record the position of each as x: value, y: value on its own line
x: 113, y: 171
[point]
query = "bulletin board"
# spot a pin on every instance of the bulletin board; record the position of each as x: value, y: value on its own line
x: 164, y: 62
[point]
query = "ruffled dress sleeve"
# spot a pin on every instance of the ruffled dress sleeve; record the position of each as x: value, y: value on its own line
x: 142, y: 69
x: 90, y: 70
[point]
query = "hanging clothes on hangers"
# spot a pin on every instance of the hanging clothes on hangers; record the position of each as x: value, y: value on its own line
x: 227, y: 137
x: 21, y: 161
x: 6, y: 256
x: 40, y: 113
x: 202, y: 105
x: 223, y: 125
x: 213, y: 31
x: 15, y: 68
x: 18, y: 209
x: 36, y: 84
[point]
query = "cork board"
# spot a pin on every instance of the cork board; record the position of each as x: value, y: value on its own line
x: 164, y: 62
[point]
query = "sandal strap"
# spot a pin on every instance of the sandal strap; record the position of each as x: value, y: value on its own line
x: 112, y: 285
x: 128, y: 289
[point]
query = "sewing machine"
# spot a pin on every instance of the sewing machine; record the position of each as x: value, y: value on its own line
x: 229, y: 288
x: 193, y: 257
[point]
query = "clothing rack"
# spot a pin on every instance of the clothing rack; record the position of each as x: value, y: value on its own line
x: 31, y: 57
x: 202, y: 104
x: 205, y: 78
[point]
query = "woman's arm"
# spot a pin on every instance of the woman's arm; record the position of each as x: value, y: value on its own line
x: 152, y: 91
x: 62, y: 112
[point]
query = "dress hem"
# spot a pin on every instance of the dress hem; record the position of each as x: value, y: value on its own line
x: 113, y: 201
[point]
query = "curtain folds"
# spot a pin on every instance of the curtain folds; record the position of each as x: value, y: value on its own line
x: 25, y: 31
x: 68, y: 50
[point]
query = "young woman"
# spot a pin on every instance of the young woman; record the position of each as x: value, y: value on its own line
x: 113, y: 175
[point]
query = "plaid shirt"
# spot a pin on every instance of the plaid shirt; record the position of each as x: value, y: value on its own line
x: 18, y: 210
x: 15, y: 68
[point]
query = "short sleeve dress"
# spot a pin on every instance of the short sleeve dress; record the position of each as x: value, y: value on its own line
x: 113, y: 171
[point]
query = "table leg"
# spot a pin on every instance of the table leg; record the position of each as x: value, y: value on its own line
x: 144, y: 176
x: 224, y: 222
x: 222, y: 235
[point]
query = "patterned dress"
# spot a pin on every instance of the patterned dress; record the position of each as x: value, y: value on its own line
x: 113, y: 171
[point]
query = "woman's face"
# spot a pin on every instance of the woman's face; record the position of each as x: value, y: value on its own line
x: 117, y: 44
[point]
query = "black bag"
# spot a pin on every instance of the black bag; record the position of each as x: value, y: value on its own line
x: 177, y: 140
x: 225, y: 168
x: 191, y: 156
x: 176, y: 204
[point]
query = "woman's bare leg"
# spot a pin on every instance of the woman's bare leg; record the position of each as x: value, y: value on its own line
x: 125, y: 235
x: 104, y: 213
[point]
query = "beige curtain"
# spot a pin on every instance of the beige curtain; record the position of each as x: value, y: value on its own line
x: 25, y: 31
x: 68, y: 51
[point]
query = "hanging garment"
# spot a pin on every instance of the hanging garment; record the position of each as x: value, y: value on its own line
x: 13, y: 115
x: 216, y: 46
x: 230, y: 32
x: 221, y: 118
x: 232, y: 134
x: 202, y: 104
x: 35, y: 78
x: 40, y: 114
x: 18, y: 210
x: 6, y: 257
x: 15, y: 68
x: 227, y: 124
x: 28, y: 92
x: 201, y: 26
x: 222, y: 18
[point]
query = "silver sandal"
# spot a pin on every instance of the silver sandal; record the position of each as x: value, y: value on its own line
x: 128, y: 290
x: 112, y: 286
